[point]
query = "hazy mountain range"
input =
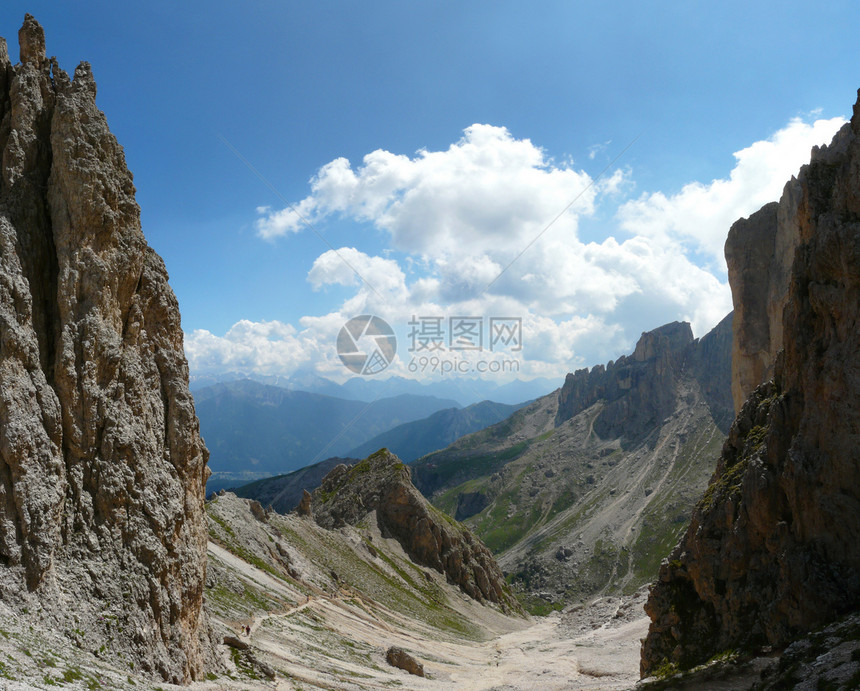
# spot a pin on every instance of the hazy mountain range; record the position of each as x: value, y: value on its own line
x: 463, y: 390
x: 254, y: 430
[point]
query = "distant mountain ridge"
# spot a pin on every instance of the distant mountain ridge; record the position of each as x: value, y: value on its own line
x: 252, y: 426
x: 412, y: 440
x: 283, y: 492
x: 464, y: 391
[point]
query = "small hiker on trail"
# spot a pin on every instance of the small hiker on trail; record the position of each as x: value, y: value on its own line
x: 248, y: 629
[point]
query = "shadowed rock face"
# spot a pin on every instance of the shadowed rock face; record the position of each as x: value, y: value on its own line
x: 772, y: 549
x: 383, y: 484
x: 102, y: 468
x: 640, y: 390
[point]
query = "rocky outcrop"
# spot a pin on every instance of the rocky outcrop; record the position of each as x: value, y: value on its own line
x: 759, y: 254
x: 304, y: 506
x: 398, y: 657
x: 470, y: 503
x: 772, y: 549
x: 102, y: 468
x: 641, y: 390
x: 382, y: 484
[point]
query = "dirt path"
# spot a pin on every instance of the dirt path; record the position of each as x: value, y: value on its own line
x: 341, y: 642
x: 255, y: 624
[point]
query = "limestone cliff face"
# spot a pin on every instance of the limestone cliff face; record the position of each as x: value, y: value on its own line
x: 641, y: 390
x: 759, y: 254
x: 102, y: 467
x: 382, y: 484
x: 772, y: 549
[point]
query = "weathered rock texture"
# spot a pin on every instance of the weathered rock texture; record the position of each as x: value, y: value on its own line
x: 759, y: 254
x: 382, y: 484
x: 772, y: 549
x: 398, y: 657
x: 641, y: 390
x: 102, y: 468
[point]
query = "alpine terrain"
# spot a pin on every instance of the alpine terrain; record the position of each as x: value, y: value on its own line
x: 587, y: 489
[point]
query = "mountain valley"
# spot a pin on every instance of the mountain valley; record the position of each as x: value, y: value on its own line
x: 682, y: 517
x: 586, y: 490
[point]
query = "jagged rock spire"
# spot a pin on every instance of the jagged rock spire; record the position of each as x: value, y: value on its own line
x: 102, y: 468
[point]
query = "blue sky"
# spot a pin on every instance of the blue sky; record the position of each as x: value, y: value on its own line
x: 555, y: 90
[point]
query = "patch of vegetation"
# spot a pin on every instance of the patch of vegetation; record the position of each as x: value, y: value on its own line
x: 243, y: 665
x: 72, y: 674
x: 500, y: 531
x: 667, y: 669
x: 726, y: 485
x: 730, y: 655
x: 447, y: 469
x: 563, y: 501
x: 221, y: 522
x: 656, y: 539
x: 250, y: 600
x: 397, y: 588
x: 539, y: 607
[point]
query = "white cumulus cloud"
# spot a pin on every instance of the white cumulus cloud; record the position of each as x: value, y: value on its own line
x: 701, y: 213
x: 268, y: 347
x: 457, y: 218
x: 486, y: 190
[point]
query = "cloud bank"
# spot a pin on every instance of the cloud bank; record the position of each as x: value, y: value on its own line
x: 486, y: 227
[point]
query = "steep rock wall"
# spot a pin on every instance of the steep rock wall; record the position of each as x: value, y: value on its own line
x: 772, y: 549
x: 759, y: 255
x: 102, y: 468
x: 640, y: 390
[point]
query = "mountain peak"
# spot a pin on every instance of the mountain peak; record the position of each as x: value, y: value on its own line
x: 639, y: 391
x: 31, y: 41
x: 381, y: 484
x: 669, y: 338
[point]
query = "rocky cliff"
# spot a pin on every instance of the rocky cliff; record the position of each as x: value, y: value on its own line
x: 759, y: 254
x: 639, y: 391
x: 102, y: 468
x: 772, y: 549
x: 381, y: 484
